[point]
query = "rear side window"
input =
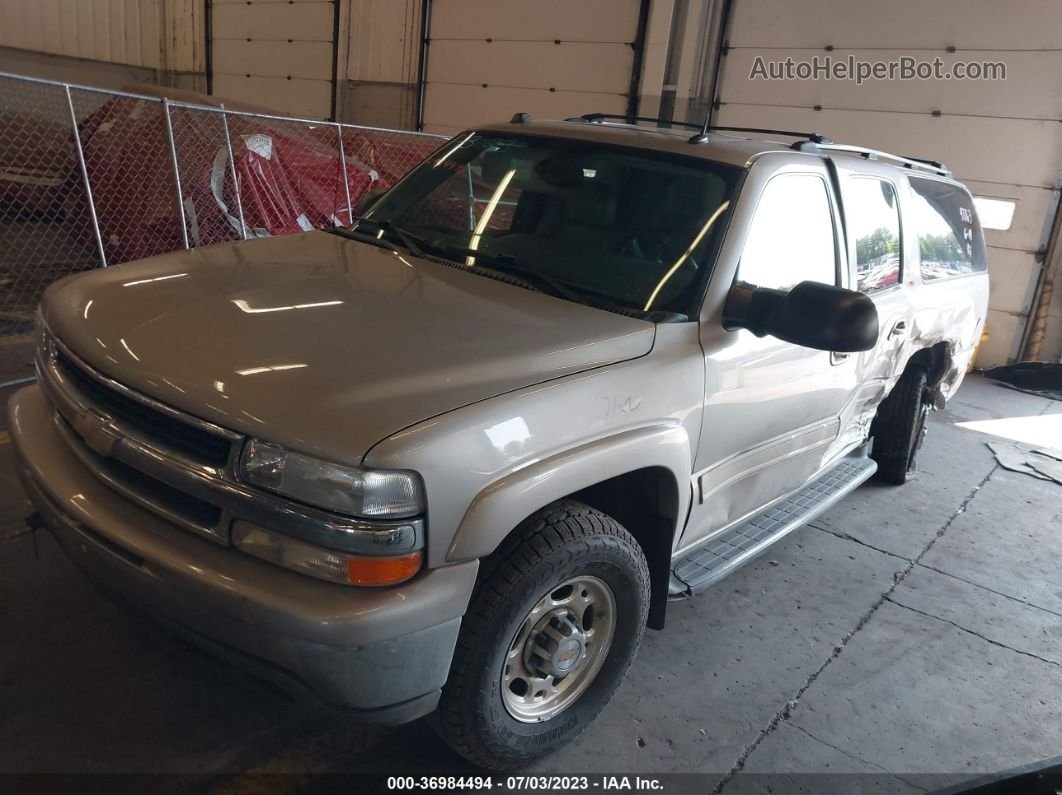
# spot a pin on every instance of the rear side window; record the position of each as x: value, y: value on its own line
x: 791, y: 238
x: 873, y: 216
x: 950, y: 242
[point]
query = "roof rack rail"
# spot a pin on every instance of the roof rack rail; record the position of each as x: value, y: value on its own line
x: 598, y: 118
x: 906, y: 161
x: 811, y: 141
x: 812, y: 137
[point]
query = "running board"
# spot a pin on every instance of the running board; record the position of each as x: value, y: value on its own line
x: 708, y: 564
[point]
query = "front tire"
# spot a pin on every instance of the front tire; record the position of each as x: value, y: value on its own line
x: 549, y: 634
x: 900, y: 428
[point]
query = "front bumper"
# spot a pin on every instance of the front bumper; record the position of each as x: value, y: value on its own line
x: 382, y: 652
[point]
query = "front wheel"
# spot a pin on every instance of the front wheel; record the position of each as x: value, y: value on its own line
x: 551, y: 629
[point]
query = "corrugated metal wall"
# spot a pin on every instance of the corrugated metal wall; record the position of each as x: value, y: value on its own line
x: 487, y: 61
x: 157, y: 34
x: 275, y: 53
x: 380, y: 58
x: 1002, y: 138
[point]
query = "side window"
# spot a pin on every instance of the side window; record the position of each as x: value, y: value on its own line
x: 791, y: 238
x: 874, y: 222
x: 950, y: 242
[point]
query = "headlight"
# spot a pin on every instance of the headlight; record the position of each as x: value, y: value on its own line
x: 355, y: 491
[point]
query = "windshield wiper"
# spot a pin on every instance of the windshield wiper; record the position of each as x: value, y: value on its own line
x: 412, y: 243
x: 507, y: 263
x: 499, y: 263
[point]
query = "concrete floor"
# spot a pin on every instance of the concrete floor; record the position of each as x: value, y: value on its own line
x: 908, y: 631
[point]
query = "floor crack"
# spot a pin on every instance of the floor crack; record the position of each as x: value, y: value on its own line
x: 787, y: 708
x: 842, y: 535
x: 975, y: 633
x: 856, y: 758
x: 990, y: 590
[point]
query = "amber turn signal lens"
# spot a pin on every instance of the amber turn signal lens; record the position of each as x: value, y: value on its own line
x: 383, y: 571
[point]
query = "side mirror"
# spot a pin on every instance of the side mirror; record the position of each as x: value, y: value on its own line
x: 367, y: 200
x: 811, y: 314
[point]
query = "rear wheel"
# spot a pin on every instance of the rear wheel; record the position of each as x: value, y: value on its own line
x: 900, y: 428
x: 551, y: 629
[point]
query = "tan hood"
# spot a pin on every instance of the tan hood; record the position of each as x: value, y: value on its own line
x: 325, y: 344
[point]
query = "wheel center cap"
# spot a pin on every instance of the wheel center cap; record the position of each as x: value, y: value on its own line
x: 556, y: 648
x: 567, y: 655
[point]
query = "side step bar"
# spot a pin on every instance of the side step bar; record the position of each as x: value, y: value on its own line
x: 708, y: 564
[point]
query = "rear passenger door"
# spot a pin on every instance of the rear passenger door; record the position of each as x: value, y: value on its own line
x: 871, y: 196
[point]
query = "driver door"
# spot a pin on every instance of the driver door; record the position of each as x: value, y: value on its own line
x: 773, y: 410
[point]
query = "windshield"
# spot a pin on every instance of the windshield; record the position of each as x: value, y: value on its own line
x: 605, y: 225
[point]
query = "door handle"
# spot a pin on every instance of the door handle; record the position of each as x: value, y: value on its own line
x: 898, y: 328
x: 837, y: 358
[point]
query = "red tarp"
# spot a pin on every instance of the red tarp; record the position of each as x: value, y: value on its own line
x: 289, y: 181
x: 289, y: 173
x: 36, y: 158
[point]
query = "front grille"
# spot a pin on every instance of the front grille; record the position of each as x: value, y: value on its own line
x: 152, y: 425
x: 161, y: 497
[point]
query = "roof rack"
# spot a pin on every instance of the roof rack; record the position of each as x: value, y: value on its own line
x: 812, y: 137
x: 598, y: 118
x: 811, y: 141
x: 906, y: 161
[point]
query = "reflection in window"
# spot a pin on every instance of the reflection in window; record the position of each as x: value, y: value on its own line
x: 791, y: 238
x: 873, y: 216
x: 612, y: 226
x: 950, y: 242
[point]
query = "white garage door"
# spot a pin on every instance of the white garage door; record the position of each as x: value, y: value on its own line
x: 275, y: 53
x: 551, y: 58
x: 1001, y: 138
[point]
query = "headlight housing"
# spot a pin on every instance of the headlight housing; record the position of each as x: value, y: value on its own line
x: 350, y: 490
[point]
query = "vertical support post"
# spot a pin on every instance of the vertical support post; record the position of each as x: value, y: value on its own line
x: 422, y: 67
x: 232, y: 170
x: 176, y: 171
x: 635, y: 87
x: 85, y: 178
x: 343, y: 173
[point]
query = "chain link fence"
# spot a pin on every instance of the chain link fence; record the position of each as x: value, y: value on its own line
x: 91, y: 178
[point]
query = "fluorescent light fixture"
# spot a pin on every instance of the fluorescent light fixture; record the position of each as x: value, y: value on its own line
x: 995, y: 213
x: 686, y: 254
x: 251, y: 310
x: 156, y: 279
x: 453, y: 149
x: 128, y: 349
x: 270, y: 369
x: 491, y: 206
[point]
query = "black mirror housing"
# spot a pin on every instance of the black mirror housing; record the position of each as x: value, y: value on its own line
x: 811, y: 314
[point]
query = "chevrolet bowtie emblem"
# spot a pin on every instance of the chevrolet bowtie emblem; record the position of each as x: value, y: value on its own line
x: 97, y: 433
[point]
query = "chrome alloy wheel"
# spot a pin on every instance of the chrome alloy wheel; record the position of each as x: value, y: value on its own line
x: 559, y: 649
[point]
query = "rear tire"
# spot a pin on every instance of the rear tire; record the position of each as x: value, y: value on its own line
x: 900, y: 427
x: 568, y: 573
